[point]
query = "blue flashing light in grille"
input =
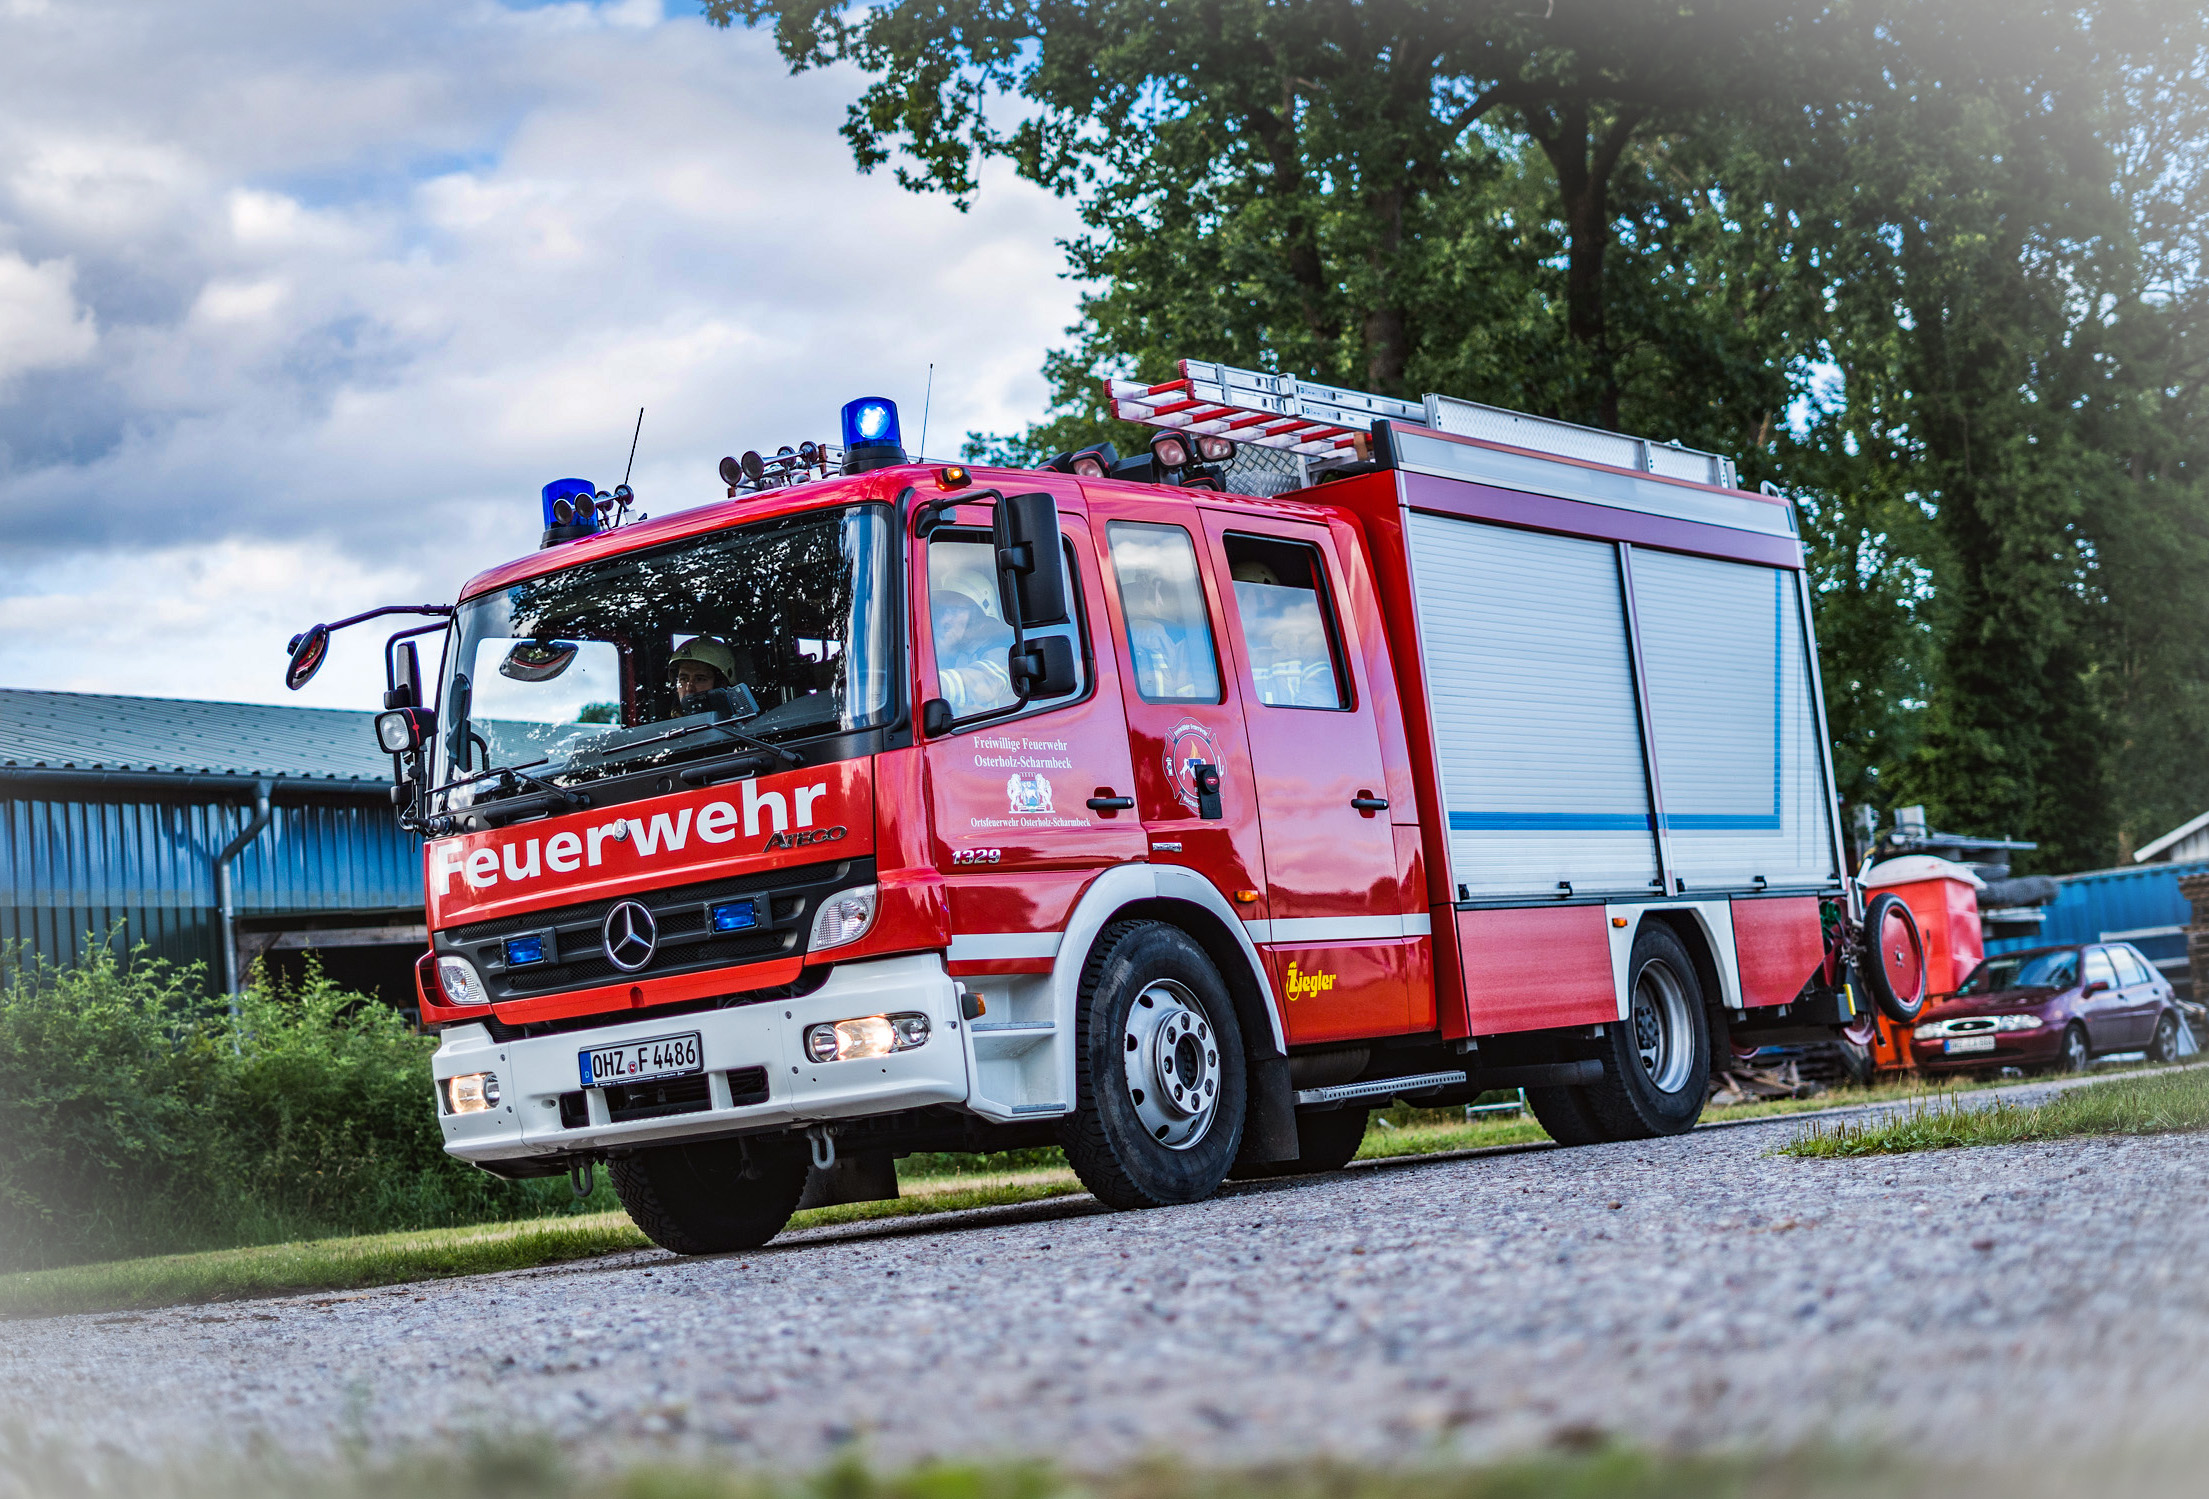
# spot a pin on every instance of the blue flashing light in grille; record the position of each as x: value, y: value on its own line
x: 735, y: 916
x: 523, y: 950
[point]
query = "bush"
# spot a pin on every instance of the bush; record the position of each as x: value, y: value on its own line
x: 137, y: 1116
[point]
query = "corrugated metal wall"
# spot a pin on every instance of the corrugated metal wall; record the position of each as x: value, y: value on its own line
x: 2140, y: 905
x: 69, y: 867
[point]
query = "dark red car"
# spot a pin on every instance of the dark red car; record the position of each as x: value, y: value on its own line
x: 2050, y: 1007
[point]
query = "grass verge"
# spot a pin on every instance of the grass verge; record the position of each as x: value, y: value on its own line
x: 2162, y: 1103
x: 1595, y: 1470
x: 435, y: 1254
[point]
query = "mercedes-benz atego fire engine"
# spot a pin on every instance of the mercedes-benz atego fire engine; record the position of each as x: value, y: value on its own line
x: 890, y: 806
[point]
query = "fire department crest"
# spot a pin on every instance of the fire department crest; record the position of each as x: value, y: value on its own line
x: 1189, y: 744
x: 1029, y: 793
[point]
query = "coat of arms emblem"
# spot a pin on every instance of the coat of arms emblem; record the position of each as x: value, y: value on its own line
x: 1029, y: 793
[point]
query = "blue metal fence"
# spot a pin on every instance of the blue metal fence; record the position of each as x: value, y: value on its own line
x: 72, y: 867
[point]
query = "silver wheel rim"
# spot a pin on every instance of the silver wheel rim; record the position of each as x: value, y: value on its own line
x: 2074, y: 1052
x: 1172, y: 1064
x: 1663, y: 1029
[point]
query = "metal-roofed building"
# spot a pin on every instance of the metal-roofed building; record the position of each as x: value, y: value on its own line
x: 116, y: 814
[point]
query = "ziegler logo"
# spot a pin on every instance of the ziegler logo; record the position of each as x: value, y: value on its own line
x: 801, y: 839
x: 1304, y: 985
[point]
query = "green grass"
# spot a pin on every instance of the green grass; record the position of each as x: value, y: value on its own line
x: 437, y: 1254
x: 1584, y: 1467
x: 2160, y: 1103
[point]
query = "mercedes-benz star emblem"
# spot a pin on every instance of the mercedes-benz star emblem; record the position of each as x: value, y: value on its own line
x: 629, y: 936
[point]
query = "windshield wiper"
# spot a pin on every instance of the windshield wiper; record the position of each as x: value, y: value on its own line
x: 514, y: 777
x: 787, y: 758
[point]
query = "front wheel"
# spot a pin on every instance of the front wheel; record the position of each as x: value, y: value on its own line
x: 1159, y: 1081
x: 711, y: 1196
x: 2076, y: 1053
x: 2164, y: 1048
x: 1657, y: 1071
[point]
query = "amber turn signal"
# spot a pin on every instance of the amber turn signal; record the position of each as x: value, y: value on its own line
x: 953, y: 477
x: 1247, y: 897
x: 1618, y: 921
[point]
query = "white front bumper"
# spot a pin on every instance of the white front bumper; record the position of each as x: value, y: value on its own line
x: 534, y: 1073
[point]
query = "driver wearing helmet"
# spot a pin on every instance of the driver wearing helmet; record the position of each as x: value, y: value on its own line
x: 704, y: 666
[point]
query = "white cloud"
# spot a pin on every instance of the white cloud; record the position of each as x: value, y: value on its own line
x: 41, y: 325
x: 330, y: 290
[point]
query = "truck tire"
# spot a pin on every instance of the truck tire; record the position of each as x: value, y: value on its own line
x: 1159, y: 1083
x: 1326, y: 1140
x: 1566, y: 1114
x: 1656, y: 1070
x: 1894, y: 958
x: 711, y: 1196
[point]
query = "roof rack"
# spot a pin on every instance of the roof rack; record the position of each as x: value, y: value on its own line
x: 1326, y: 423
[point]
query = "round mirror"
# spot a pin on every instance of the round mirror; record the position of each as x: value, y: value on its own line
x: 307, y: 652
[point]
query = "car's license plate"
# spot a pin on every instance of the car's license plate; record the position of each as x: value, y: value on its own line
x: 636, y: 1061
x: 1969, y: 1043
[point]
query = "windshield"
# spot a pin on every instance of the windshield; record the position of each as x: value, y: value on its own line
x: 774, y: 632
x: 2035, y: 970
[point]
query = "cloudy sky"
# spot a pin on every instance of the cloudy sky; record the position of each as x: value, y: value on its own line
x: 302, y: 300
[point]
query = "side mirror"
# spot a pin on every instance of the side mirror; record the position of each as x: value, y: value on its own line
x: 1031, y: 559
x: 935, y: 718
x: 2093, y: 987
x: 405, y: 690
x: 1043, y: 667
x: 402, y: 731
x: 307, y: 653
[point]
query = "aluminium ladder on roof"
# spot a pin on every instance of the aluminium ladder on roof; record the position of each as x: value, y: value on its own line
x: 1326, y: 422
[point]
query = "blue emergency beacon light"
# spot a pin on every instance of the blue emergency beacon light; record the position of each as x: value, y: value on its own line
x: 571, y: 511
x: 871, y: 437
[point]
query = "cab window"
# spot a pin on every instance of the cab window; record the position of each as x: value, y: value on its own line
x: 1162, y: 599
x: 2098, y: 969
x: 1288, y: 631
x: 967, y: 626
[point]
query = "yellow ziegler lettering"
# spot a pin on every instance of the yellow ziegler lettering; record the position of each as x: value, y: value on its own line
x: 1302, y: 984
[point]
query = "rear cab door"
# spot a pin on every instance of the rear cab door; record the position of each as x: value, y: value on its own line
x: 1336, y: 936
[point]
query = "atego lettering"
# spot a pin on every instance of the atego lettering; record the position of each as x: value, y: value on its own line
x: 787, y: 818
x: 801, y: 839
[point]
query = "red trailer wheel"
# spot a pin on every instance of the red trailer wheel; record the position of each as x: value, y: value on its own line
x: 1894, y: 963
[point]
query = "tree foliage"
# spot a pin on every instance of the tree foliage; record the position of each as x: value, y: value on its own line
x: 1933, y: 266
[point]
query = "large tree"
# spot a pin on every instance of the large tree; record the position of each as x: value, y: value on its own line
x: 1934, y: 266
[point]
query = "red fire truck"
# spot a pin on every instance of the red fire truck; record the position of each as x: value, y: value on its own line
x: 890, y: 806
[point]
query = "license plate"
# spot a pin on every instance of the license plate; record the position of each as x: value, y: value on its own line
x: 1969, y: 1043
x: 637, y: 1061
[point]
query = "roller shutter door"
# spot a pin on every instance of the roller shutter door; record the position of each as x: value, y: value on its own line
x: 1536, y: 727
x: 1734, y: 723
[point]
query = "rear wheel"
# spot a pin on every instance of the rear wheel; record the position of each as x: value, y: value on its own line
x: 1326, y: 1140
x: 711, y: 1196
x: 1159, y: 1082
x: 1657, y: 1073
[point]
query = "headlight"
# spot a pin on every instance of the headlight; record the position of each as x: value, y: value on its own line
x: 472, y: 1093
x: 843, y: 917
x: 461, y: 983
x: 1930, y: 1030
x: 868, y: 1036
x: 2018, y: 1023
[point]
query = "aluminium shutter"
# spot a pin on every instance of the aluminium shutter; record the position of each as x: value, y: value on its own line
x: 1734, y: 722
x: 1537, y: 732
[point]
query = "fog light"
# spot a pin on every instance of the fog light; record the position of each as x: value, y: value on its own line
x: 868, y: 1036
x: 461, y: 983
x: 472, y: 1093
x: 524, y: 950
x: 735, y: 916
x: 844, y: 917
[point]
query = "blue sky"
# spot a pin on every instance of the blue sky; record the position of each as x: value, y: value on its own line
x: 300, y: 303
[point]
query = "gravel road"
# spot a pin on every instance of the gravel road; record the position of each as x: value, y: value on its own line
x: 1690, y: 1293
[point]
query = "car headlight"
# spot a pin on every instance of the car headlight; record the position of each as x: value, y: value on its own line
x: 844, y: 917
x: 461, y: 983
x: 1930, y: 1030
x: 2018, y: 1023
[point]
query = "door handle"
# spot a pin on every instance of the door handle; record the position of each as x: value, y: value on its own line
x: 1105, y: 801
x: 1366, y: 801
